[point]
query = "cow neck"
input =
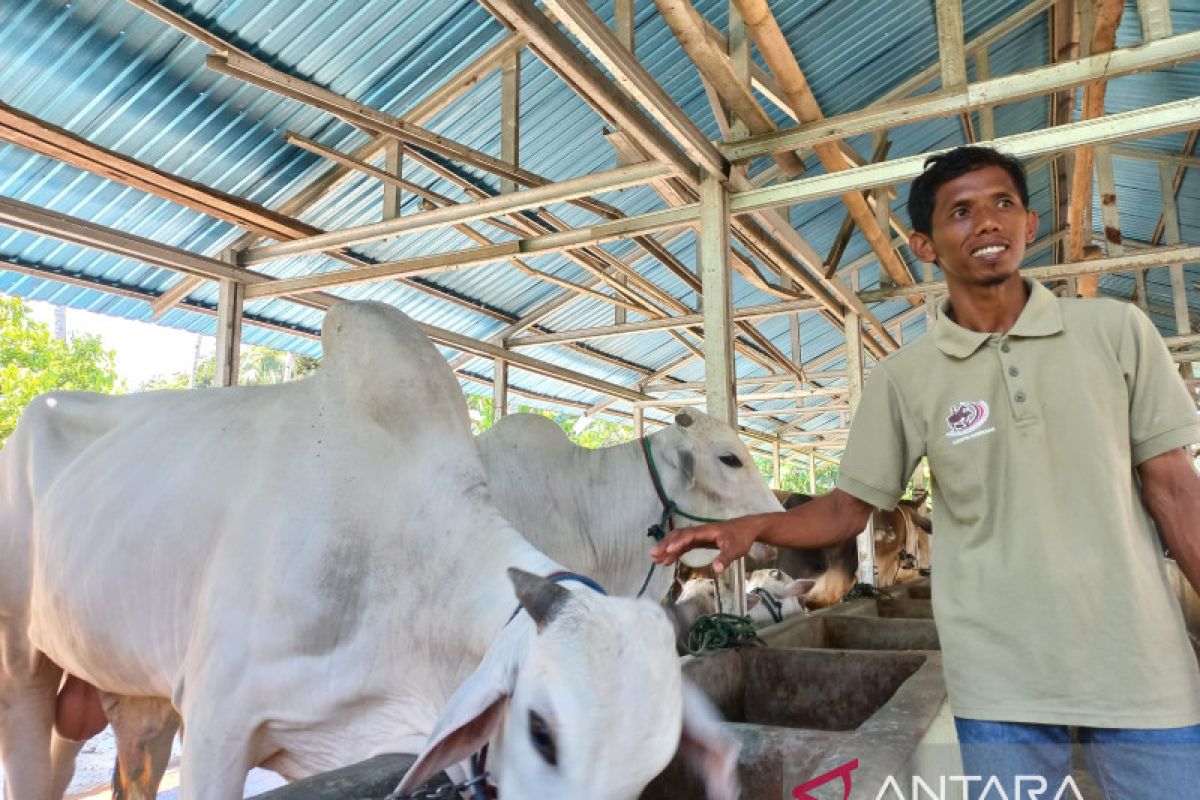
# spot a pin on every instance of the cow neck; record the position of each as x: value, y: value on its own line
x: 770, y: 602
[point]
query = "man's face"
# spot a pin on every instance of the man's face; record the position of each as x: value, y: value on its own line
x: 980, y: 229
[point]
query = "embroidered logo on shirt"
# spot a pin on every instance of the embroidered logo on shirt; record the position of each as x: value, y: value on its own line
x: 966, y: 420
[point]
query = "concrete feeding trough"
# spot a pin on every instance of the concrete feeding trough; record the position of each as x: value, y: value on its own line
x: 860, y: 680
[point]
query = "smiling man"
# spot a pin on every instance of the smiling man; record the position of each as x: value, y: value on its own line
x: 1055, y: 431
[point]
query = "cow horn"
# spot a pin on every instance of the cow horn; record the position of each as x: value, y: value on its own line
x: 683, y: 419
x: 540, y: 597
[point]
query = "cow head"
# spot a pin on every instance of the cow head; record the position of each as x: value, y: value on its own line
x: 779, y: 583
x: 708, y: 472
x: 581, y: 697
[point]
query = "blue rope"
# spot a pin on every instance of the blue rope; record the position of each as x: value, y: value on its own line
x: 559, y: 577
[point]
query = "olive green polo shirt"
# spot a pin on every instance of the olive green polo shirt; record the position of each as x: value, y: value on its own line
x: 1050, y: 590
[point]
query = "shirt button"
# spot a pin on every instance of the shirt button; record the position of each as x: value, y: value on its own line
x: 1014, y: 371
x: 1019, y: 397
x: 1004, y: 348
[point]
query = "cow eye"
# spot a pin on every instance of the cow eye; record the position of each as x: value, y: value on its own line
x: 542, y: 739
x: 731, y: 460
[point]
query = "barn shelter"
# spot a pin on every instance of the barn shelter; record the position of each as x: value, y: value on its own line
x: 623, y: 208
x: 528, y: 181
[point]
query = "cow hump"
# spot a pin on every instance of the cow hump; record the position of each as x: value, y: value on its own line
x: 383, y: 360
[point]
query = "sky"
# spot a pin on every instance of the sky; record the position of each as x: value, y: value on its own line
x: 143, y: 350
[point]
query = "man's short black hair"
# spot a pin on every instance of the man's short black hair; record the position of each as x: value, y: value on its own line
x: 945, y: 167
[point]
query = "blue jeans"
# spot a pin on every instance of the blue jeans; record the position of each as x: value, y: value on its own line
x: 1126, y: 763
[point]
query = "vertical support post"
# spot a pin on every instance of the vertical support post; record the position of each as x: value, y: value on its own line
x: 717, y: 309
x: 793, y: 327
x: 623, y: 23
x: 1108, y: 201
x: 950, y: 43
x: 624, y: 27
x: 812, y: 472
x: 1156, y: 19
x: 510, y: 115
x: 983, y: 71
x: 230, y: 299
x: 1172, y: 235
x: 776, y: 467
x: 1087, y: 26
x: 854, y: 383
x: 739, y: 54
x: 639, y: 421
x: 882, y: 208
x: 393, y: 161
x: 499, y: 390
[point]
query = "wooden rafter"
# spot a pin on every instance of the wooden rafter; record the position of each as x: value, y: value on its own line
x: 1108, y: 17
x: 776, y: 51
x: 788, y: 253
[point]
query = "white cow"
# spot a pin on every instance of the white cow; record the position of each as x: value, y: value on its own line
x: 781, y: 595
x: 590, y: 509
x: 311, y: 573
x: 771, y: 596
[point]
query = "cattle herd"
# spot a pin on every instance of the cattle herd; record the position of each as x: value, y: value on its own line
x: 304, y: 576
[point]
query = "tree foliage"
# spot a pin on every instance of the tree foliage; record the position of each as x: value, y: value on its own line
x: 33, y: 362
x: 591, y: 432
x: 257, y: 366
x: 795, y: 474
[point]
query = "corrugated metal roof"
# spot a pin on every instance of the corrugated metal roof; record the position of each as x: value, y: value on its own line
x: 126, y: 81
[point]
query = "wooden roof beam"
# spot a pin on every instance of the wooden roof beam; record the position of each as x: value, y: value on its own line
x: 1034, y: 82
x: 554, y: 48
x: 1135, y: 261
x: 717, y: 68
x: 667, y: 323
x: 561, y: 191
x: 778, y: 55
x: 455, y: 87
x: 23, y: 216
x: 1154, y: 120
x: 789, y: 253
x: 1189, y: 148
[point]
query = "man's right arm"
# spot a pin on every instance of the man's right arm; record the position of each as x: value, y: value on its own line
x: 824, y: 521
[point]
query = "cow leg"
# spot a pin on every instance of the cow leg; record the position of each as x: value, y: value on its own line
x: 27, y: 703
x: 63, y: 752
x: 145, y: 729
x: 217, y: 752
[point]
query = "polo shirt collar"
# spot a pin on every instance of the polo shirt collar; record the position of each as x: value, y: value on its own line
x: 1040, y: 317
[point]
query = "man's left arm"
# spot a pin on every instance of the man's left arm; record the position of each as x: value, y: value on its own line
x: 1171, y: 492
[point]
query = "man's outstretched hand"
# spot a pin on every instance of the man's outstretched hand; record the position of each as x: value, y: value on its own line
x: 732, y: 538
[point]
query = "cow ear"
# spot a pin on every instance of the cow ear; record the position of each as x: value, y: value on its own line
x: 707, y: 746
x: 473, y: 713
x: 540, y: 597
x: 800, y: 587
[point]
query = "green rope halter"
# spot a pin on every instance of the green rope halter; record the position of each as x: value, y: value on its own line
x: 670, y: 508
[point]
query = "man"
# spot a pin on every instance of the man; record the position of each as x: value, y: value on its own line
x: 1054, y: 430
